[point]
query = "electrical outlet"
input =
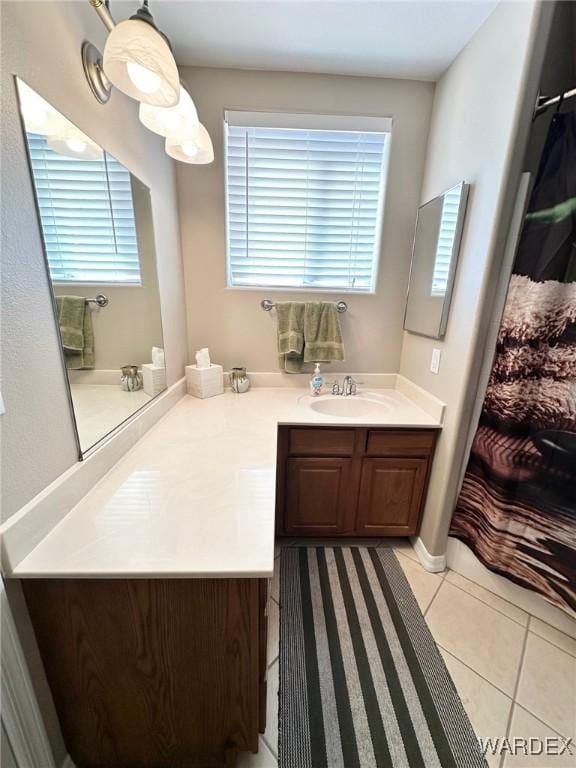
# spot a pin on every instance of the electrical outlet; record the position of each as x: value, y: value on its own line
x: 435, y: 360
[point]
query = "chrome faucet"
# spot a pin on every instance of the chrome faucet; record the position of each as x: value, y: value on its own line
x: 348, y: 387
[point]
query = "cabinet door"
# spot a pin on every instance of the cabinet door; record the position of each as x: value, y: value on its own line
x: 318, y: 497
x: 391, y: 493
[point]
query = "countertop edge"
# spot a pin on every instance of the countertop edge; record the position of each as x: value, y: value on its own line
x: 39, y: 570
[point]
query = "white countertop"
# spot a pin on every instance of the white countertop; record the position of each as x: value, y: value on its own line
x: 195, y: 497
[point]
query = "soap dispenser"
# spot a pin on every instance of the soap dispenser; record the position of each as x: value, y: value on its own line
x: 317, y: 381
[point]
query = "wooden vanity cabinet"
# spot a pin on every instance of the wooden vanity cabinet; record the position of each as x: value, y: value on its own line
x: 318, y: 496
x: 154, y: 673
x: 352, y: 481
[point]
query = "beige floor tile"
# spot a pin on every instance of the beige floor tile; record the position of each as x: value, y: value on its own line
x: 512, y: 611
x: 424, y: 584
x: 565, y: 623
x: 525, y: 726
x: 401, y: 546
x: 484, y: 639
x: 263, y: 759
x: 271, y: 733
x: 547, y: 686
x: 486, y: 706
x: 553, y: 635
x: 273, y: 630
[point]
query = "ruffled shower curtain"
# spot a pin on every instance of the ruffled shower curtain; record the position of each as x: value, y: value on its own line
x: 517, y: 506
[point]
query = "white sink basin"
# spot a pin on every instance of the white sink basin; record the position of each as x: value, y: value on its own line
x: 352, y: 406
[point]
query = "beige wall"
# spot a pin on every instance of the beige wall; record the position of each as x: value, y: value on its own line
x: 231, y: 322
x: 126, y: 330
x: 41, y: 44
x: 476, y: 136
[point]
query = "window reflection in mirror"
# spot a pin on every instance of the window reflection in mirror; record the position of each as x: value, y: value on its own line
x: 97, y: 229
x: 434, y: 257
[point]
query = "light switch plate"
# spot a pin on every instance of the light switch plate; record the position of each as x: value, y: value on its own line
x: 435, y: 360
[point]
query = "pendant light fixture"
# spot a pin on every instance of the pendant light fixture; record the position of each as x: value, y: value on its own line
x: 194, y: 149
x: 139, y: 62
x: 181, y: 120
x: 76, y: 144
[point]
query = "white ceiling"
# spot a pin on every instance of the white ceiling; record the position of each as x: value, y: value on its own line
x: 415, y: 39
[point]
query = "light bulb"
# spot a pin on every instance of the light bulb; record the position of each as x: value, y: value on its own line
x: 145, y: 80
x: 76, y: 145
x: 196, y: 148
x: 189, y: 148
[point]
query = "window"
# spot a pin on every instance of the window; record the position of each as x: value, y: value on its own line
x: 446, y: 236
x: 304, y: 200
x: 87, y: 216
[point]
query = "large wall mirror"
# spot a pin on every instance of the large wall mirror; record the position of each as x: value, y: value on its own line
x: 436, y: 245
x: 98, y: 232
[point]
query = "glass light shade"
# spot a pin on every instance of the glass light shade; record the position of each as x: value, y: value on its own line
x: 70, y: 141
x: 195, y: 149
x: 181, y: 120
x: 139, y: 62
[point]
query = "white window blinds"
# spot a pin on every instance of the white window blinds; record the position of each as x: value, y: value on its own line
x: 446, y: 237
x: 87, y: 216
x: 304, y: 204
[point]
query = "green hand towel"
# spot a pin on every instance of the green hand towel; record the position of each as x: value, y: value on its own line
x: 75, y: 321
x: 290, y: 318
x: 322, y: 334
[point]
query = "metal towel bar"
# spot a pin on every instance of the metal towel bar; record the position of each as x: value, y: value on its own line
x: 100, y: 300
x: 267, y: 305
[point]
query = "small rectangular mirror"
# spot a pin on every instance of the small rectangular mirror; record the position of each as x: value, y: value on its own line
x: 98, y: 234
x: 434, y: 257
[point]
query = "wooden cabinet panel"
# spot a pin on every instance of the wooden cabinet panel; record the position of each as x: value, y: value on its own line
x: 400, y: 442
x: 321, y: 442
x: 351, y: 481
x: 262, y: 652
x: 391, y: 491
x: 318, y: 499
x: 153, y: 673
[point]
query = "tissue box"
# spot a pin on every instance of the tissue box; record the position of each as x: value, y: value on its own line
x: 205, y: 382
x: 153, y: 379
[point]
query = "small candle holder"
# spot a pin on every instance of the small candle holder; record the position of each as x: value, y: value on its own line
x: 239, y: 380
x: 131, y: 379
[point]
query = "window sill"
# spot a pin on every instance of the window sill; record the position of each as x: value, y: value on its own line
x: 323, y: 291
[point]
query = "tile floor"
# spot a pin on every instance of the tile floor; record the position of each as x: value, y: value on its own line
x: 515, y: 674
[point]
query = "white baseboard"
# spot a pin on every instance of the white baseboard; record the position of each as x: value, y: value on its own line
x: 461, y: 559
x: 281, y: 379
x: 431, y: 563
x: 99, y: 376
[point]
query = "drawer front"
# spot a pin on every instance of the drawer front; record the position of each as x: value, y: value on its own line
x: 400, y: 443
x: 321, y: 442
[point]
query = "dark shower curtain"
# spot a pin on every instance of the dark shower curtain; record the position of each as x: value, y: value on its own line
x: 517, y: 506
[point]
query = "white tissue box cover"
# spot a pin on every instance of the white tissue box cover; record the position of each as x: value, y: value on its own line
x: 153, y: 379
x: 205, y: 382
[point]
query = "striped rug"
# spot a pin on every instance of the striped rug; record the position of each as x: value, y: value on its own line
x: 362, y: 684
